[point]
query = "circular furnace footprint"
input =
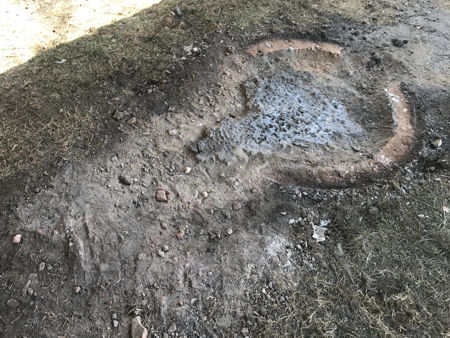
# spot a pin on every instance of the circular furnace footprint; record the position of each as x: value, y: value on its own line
x: 309, y: 115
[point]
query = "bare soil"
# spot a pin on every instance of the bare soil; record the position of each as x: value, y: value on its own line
x: 119, y: 218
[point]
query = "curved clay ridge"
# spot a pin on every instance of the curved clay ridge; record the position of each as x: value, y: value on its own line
x: 395, y: 150
x: 271, y: 46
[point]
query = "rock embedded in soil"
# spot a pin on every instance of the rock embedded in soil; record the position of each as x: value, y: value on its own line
x: 161, y: 195
x: 17, y: 239
x: 437, y: 143
x: 172, y: 328
x: 124, y: 180
x: 13, y: 303
x: 399, y: 42
x: 137, y: 329
x: 178, y: 11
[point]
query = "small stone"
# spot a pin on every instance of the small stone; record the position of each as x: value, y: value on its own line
x: 77, y: 289
x: 115, y: 323
x: 237, y: 206
x: 437, y: 143
x: 164, y: 225
x: 178, y: 11
x: 124, y: 180
x: 161, y: 195
x: 30, y: 291
x: 173, y: 132
x: 114, y: 316
x: 161, y: 253
x: 172, y: 328
x: 137, y: 329
x: 181, y: 232
x: 180, y: 303
x: 187, y: 170
x: 41, y: 266
x: 356, y: 147
x: 13, y: 303
x: 165, y: 248
x: 245, y: 331
x: 229, y: 231
x: 17, y: 239
x: 204, y: 194
x: 399, y: 42
x: 132, y: 120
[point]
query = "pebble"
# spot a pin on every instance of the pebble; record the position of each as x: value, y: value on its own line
x: 437, y: 143
x: 229, y: 231
x: 399, y: 42
x: 165, y: 248
x: 164, y: 225
x: 173, y: 132
x: 237, y: 206
x: 172, y: 328
x: 204, y: 194
x: 124, y: 180
x: 187, y: 170
x: 30, y: 291
x: 13, y: 303
x: 181, y: 232
x: 356, y: 147
x: 161, y: 253
x: 161, y: 195
x: 132, y: 120
x: 178, y: 11
x: 77, y: 289
x: 137, y: 329
x: 17, y: 239
x: 115, y: 323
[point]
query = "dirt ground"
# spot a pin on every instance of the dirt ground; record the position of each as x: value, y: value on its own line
x: 119, y: 218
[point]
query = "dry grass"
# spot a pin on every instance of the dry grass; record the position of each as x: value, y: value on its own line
x: 102, y: 69
x: 393, y: 279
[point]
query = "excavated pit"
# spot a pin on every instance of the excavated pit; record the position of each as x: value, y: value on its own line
x: 305, y: 112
